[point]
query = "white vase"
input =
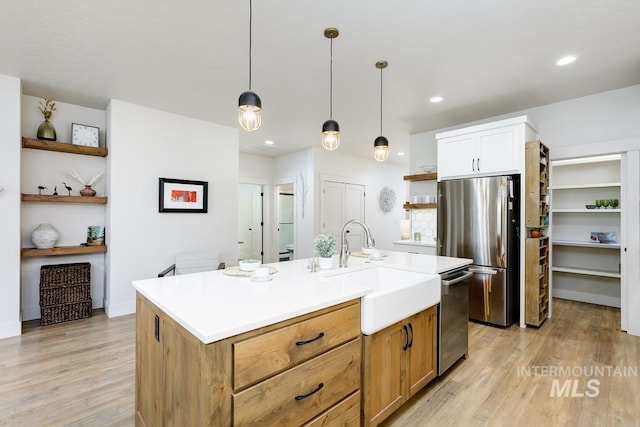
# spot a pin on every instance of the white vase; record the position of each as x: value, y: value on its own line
x: 45, y: 236
x: 326, y: 263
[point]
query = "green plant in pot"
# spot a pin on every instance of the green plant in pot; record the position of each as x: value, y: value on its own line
x: 325, y: 247
x: 46, y: 131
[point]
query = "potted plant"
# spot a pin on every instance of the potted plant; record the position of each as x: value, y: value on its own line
x: 325, y: 247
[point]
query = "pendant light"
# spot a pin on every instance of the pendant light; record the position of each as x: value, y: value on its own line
x: 331, y: 128
x: 249, y: 103
x: 381, y: 144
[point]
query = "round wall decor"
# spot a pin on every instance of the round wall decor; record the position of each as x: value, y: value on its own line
x: 387, y: 199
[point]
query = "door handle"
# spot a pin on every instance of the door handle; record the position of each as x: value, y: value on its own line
x: 478, y: 163
x: 483, y: 271
x: 411, y: 329
x: 473, y: 164
x: 406, y: 333
x: 457, y: 279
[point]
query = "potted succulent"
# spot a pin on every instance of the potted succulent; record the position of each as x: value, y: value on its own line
x: 325, y: 247
x: 46, y: 131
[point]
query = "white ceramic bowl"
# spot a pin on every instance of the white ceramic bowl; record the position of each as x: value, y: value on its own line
x: 428, y: 168
x: 249, y: 264
x: 367, y: 251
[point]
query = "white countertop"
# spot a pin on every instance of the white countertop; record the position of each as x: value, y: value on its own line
x: 424, y: 242
x: 213, y: 306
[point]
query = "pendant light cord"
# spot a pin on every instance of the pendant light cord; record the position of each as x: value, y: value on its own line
x: 250, y: 22
x: 331, y: 81
x: 381, y: 101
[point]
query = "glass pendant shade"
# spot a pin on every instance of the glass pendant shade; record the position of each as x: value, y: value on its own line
x: 249, y: 111
x: 381, y: 149
x: 330, y: 135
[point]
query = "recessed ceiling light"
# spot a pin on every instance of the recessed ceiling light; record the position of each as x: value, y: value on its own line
x: 566, y: 60
x: 436, y: 99
x: 400, y: 153
x: 268, y: 142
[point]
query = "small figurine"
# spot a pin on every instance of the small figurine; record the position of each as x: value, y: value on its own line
x: 69, y: 189
x: 40, y: 188
x: 55, y: 190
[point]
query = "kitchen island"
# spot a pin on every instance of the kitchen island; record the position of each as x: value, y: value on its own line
x: 214, y: 349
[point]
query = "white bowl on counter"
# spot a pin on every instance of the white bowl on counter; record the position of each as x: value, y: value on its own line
x: 249, y: 264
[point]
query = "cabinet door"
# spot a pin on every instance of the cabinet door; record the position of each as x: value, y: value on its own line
x: 498, y: 151
x: 457, y: 156
x: 383, y: 383
x: 421, y: 362
x: 149, y: 364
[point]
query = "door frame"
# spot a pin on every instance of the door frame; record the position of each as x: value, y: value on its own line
x: 274, y: 228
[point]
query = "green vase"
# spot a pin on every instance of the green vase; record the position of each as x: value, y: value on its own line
x: 46, y: 131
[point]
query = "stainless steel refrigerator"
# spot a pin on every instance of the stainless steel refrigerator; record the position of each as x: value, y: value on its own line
x: 478, y: 218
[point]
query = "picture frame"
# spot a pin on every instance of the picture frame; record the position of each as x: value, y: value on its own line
x: 86, y: 135
x: 181, y: 195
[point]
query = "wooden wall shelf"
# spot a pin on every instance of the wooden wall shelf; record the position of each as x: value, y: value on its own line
x: 63, y: 250
x: 63, y: 147
x: 420, y: 205
x: 422, y: 177
x: 63, y: 199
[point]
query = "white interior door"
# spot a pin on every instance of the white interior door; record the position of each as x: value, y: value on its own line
x: 354, y: 209
x: 341, y: 202
x: 250, y: 221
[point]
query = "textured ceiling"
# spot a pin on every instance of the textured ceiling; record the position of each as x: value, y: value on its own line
x: 485, y: 57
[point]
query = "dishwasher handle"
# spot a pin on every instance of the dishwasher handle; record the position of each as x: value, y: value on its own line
x: 459, y: 279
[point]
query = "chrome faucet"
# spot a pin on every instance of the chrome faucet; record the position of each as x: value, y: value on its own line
x: 344, y: 245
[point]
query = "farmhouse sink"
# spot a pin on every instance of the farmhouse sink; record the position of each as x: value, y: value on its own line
x: 395, y: 294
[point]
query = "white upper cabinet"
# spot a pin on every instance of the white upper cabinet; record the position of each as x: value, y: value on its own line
x: 483, y: 150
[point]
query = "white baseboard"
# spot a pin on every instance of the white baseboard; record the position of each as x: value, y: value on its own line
x: 122, y: 309
x: 10, y: 329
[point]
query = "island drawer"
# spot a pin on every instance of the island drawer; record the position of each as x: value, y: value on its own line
x: 345, y: 414
x: 264, y: 355
x: 301, y: 393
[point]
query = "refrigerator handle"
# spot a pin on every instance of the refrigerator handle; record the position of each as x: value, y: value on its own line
x: 457, y: 279
x: 483, y: 271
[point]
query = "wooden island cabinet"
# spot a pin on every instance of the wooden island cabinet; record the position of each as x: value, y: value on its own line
x: 302, y: 371
x: 398, y: 361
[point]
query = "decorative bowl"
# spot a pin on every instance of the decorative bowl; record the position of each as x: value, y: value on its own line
x: 249, y: 264
x: 428, y: 168
x: 590, y: 206
x: 603, y: 236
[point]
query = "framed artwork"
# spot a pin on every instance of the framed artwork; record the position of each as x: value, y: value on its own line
x: 181, y: 195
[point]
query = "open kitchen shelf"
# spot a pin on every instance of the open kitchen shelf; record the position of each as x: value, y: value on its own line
x: 420, y: 206
x: 63, y: 147
x: 586, y: 271
x: 63, y: 199
x: 63, y: 250
x: 586, y: 244
x: 422, y: 177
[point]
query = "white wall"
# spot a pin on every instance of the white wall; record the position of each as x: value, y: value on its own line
x: 10, y: 100
x: 144, y: 145
x: 385, y: 227
x: 51, y: 169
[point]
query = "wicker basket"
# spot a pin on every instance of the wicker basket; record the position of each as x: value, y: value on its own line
x: 65, y: 292
x: 58, y: 313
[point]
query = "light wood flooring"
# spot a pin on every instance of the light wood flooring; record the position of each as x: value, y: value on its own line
x: 81, y: 373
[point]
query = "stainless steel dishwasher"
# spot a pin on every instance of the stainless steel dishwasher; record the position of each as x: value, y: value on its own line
x: 453, y: 318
